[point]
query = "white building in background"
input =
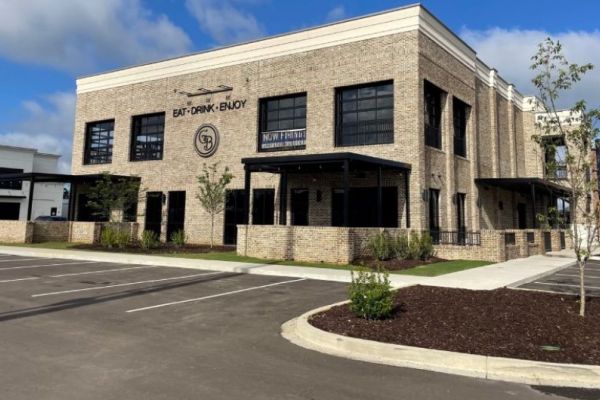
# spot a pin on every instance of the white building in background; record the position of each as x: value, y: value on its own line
x: 14, y: 195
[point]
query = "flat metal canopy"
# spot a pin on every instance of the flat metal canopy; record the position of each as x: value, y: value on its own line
x: 321, y: 162
x: 59, y: 178
x: 524, y: 185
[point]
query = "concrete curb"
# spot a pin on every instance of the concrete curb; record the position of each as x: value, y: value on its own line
x: 301, y: 333
x: 541, y: 275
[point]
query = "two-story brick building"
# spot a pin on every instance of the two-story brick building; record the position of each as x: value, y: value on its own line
x: 388, y: 120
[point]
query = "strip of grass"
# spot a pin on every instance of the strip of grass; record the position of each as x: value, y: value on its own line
x: 430, y: 270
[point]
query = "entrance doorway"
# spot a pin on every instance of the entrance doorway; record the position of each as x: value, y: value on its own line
x: 263, y: 206
x: 234, y: 215
x: 176, y: 213
x: 363, y: 206
x: 299, y: 207
x: 153, y: 212
x: 522, y: 215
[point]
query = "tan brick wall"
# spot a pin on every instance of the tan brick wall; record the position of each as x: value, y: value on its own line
x: 16, y: 231
x: 51, y: 231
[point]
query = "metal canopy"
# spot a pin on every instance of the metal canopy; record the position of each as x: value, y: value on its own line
x: 321, y: 162
x: 58, y: 178
x: 525, y: 185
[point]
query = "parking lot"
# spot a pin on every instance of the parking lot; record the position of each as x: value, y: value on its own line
x: 90, y: 330
x: 567, y: 281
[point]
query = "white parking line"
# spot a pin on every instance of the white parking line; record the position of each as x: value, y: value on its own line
x: 577, y: 276
x: 20, y: 279
x: 48, y: 265
x: 566, y: 285
x: 214, y: 296
x: 124, y: 284
x: 19, y: 259
x: 100, y: 272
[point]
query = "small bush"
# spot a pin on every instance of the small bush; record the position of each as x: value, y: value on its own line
x: 426, y: 247
x: 178, y: 238
x: 114, y: 237
x: 401, y: 250
x: 149, y: 240
x: 371, y: 295
x: 414, y: 247
x: 381, y: 246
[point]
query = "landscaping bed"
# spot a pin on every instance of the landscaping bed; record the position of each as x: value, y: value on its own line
x: 394, y: 264
x: 501, y: 323
x: 166, y: 248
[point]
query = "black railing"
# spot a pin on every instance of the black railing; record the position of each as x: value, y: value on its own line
x: 459, y: 238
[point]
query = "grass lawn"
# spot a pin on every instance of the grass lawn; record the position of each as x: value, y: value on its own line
x: 440, y: 268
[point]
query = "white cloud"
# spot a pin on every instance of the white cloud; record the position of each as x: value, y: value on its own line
x: 48, y: 127
x: 337, y: 13
x: 80, y: 36
x: 224, y: 21
x: 510, y: 51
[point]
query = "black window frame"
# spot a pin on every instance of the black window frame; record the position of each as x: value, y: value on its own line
x: 384, y: 132
x: 263, y: 120
x: 432, y: 121
x: 106, y: 156
x: 11, y: 185
x: 460, y: 113
x: 136, y: 127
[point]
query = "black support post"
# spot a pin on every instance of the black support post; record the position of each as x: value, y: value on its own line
x: 379, y: 199
x: 72, y: 197
x: 30, y: 202
x: 283, y: 189
x: 407, y: 196
x: 346, y: 193
x: 247, y: 184
x: 533, y: 206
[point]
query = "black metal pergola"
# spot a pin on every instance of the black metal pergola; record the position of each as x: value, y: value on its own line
x: 317, y: 163
x: 74, y: 180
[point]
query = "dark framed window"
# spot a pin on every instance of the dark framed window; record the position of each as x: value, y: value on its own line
x: 99, y: 137
x: 460, y: 111
x: 263, y: 206
x: 11, y: 185
x: 433, y: 97
x: 365, y: 199
x: 434, y: 214
x: 282, y: 123
x: 365, y: 114
x: 147, y: 137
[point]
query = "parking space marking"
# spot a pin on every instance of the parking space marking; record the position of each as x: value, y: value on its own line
x: 214, y: 295
x: 20, y: 279
x: 564, y: 284
x: 577, y: 276
x: 125, y: 284
x: 48, y: 265
x: 19, y: 259
x: 100, y: 272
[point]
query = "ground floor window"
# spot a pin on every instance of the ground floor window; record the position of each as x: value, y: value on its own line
x: 434, y: 214
x: 363, y: 207
x: 299, y: 206
x: 263, y: 206
x: 176, y: 213
x: 234, y: 215
x: 153, y: 220
x: 10, y: 211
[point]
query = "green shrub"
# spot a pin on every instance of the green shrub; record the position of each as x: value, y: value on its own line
x: 414, y: 247
x: 371, y: 295
x: 426, y: 247
x: 178, y: 238
x: 401, y: 247
x: 381, y: 246
x: 114, y: 237
x: 149, y: 240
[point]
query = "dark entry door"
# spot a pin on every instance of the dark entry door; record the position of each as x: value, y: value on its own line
x: 300, y: 207
x: 263, y: 206
x: 234, y: 215
x: 176, y: 213
x: 363, y: 207
x: 522, y: 215
x: 434, y: 215
x: 9, y: 211
x: 153, y: 212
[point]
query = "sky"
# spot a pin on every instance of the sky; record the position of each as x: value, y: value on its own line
x: 46, y: 44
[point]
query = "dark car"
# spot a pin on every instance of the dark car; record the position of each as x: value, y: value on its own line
x: 50, y: 218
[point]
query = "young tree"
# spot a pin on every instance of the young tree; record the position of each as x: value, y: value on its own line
x: 212, y: 186
x: 109, y: 198
x: 578, y: 128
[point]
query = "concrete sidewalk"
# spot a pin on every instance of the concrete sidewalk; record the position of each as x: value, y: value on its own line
x: 509, y: 273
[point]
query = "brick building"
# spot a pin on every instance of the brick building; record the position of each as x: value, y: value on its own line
x: 385, y: 121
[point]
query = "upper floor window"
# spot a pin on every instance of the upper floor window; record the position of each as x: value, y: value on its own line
x: 147, y: 137
x: 555, y: 157
x: 99, y: 137
x: 365, y: 114
x: 460, y: 111
x: 433, y: 115
x: 282, y: 123
x: 11, y: 185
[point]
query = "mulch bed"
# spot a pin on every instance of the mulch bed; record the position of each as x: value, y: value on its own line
x: 167, y: 248
x: 394, y: 264
x: 503, y: 323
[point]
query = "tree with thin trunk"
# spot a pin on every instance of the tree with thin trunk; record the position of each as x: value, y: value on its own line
x: 212, y: 186
x: 110, y: 197
x: 577, y: 128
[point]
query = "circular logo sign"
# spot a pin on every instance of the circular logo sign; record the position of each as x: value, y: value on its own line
x: 206, y: 140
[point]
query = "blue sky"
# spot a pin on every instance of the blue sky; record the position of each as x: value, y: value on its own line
x: 46, y: 44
